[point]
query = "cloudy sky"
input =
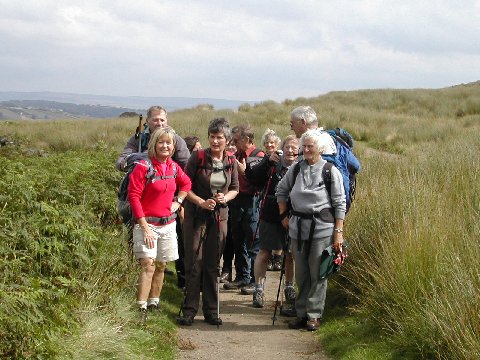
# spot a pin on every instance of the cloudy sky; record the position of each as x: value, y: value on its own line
x: 241, y: 50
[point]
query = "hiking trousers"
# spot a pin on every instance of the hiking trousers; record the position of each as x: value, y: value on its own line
x: 312, y: 290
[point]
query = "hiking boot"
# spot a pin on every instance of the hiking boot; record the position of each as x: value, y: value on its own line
x: 248, y: 289
x: 288, y: 310
x: 153, y: 307
x: 226, y: 277
x: 277, y: 263
x: 313, y: 324
x: 270, y: 264
x: 298, y: 323
x: 143, y: 316
x: 234, y: 285
x: 258, y: 298
x: 185, y: 320
x: 290, y: 294
x: 212, y: 319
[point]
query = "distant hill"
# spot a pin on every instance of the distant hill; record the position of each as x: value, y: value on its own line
x: 51, y: 105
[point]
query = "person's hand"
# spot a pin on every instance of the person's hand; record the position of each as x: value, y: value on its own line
x: 175, y: 207
x: 285, y: 222
x: 148, y: 237
x: 242, y: 165
x: 220, y: 198
x: 337, y: 240
x: 275, y: 158
x: 208, y: 204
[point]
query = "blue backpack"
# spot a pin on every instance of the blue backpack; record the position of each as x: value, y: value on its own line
x: 345, y: 161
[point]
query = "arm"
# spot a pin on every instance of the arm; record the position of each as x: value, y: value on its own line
x: 181, y: 154
x: 130, y: 148
x: 184, y: 185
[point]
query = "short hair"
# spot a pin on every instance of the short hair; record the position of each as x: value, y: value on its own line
x: 317, y: 140
x: 270, y: 134
x: 220, y: 125
x: 289, y: 138
x: 166, y: 131
x: 305, y: 113
x: 153, y: 109
x: 245, y: 130
x: 191, y: 141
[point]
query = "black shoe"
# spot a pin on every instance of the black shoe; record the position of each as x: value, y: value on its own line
x: 143, y: 316
x: 248, y: 289
x: 298, y: 323
x: 270, y: 264
x: 212, y: 320
x: 234, y: 285
x: 153, y: 307
x: 226, y: 277
x: 277, y: 263
x: 288, y: 310
x: 185, y: 320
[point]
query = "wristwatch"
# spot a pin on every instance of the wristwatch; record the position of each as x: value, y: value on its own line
x: 179, y: 200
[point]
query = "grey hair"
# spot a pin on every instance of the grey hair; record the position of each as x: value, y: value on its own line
x: 270, y: 134
x: 305, y: 113
x: 220, y: 125
x: 317, y: 140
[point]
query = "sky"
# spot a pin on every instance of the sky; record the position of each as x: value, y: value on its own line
x: 249, y: 50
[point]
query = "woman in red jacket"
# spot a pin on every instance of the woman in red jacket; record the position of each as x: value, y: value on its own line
x: 155, y: 209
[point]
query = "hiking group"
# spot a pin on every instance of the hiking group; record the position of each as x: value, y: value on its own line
x: 281, y: 208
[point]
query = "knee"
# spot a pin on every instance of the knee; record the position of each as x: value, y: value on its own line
x: 147, y: 265
x: 160, y: 266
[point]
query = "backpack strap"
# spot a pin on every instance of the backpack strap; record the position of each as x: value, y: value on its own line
x: 327, y: 177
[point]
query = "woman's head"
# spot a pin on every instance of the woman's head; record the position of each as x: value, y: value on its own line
x: 193, y: 143
x: 312, y: 146
x: 219, y: 134
x: 162, y: 143
x: 270, y: 141
x: 290, y: 148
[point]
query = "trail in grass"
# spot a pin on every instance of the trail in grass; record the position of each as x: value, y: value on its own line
x: 247, y: 332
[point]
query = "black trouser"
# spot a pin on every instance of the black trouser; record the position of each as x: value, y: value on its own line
x: 180, y: 262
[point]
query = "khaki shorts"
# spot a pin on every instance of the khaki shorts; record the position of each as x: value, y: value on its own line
x: 164, y: 249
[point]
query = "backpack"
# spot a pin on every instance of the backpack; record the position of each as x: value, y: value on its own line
x: 344, y: 160
x: 123, y: 205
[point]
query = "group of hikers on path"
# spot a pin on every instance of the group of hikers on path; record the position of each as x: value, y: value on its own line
x: 281, y: 207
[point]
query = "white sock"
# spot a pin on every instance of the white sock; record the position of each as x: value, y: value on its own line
x: 142, y: 304
x: 153, y: 301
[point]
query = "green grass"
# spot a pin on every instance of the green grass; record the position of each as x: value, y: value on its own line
x: 410, y: 287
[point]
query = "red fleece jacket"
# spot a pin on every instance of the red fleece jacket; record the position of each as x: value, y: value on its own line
x: 155, y: 198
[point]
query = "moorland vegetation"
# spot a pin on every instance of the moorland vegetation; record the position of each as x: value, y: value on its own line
x: 411, y: 286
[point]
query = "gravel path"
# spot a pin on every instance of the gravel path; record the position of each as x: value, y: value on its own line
x: 247, y: 332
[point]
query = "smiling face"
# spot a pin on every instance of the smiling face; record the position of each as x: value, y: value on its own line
x: 270, y: 145
x: 240, y: 142
x: 290, y: 151
x: 164, y: 147
x: 311, y: 152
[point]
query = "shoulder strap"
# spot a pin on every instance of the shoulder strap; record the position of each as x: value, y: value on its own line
x: 255, y: 152
x: 296, y: 170
x: 327, y: 177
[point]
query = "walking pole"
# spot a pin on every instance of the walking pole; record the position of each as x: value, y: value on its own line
x: 287, y: 241
x: 202, y: 239
x: 138, y: 133
x: 217, y: 218
x: 265, y: 191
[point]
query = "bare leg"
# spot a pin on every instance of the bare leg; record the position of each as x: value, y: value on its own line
x: 157, y: 280
x: 260, y: 266
x: 145, y: 278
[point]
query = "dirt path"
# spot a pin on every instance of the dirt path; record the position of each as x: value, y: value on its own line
x: 247, y: 332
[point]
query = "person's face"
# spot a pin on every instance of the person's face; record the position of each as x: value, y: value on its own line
x: 310, y: 151
x: 270, y: 146
x: 290, y: 151
x: 240, y: 142
x: 157, y: 120
x: 164, y: 147
x: 217, y: 142
x: 231, y: 147
x: 298, y: 126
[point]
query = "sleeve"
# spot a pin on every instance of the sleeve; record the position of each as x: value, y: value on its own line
x: 234, y: 185
x: 135, y: 189
x: 338, y: 199
x: 191, y: 167
x: 181, y: 154
x: 285, y: 185
x: 130, y: 148
x: 183, y: 181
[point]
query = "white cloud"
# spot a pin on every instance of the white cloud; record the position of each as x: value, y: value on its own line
x: 253, y: 50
